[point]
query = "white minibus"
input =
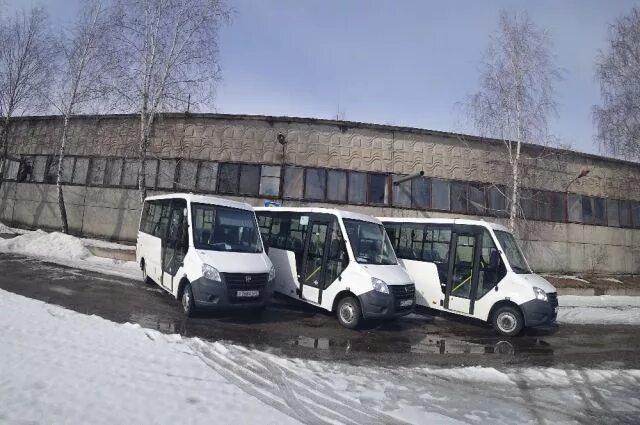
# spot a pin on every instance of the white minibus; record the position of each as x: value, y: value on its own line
x: 337, y: 260
x: 473, y: 268
x: 205, y: 251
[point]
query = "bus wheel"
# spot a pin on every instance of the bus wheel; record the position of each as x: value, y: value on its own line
x: 508, y: 320
x: 188, y: 306
x: 349, y: 312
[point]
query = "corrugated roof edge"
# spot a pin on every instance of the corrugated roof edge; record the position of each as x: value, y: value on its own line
x: 346, y: 125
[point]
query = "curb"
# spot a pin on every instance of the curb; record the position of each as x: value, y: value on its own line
x: 113, y: 253
x: 597, y: 292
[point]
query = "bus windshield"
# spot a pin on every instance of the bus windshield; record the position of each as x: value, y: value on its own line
x: 512, y: 252
x: 217, y: 228
x: 370, y: 243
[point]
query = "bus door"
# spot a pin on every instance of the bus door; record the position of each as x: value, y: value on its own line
x: 464, y: 260
x: 314, y: 261
x: 175, y: 243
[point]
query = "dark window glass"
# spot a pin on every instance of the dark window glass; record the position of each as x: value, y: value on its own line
x: 635, y: 214
x: 336, y: 185
x: 39, y: 168
x: 410, y: 241
x: 161, y: 218
x: 187, y: 172
x: 599, y: 211
x: 218, y: 228
x: 625, y: 213
x: 68, y: 163
x: 167, y: 173
x: 207, y: 175
x: 420, y: 193
x: 270, y: 180
x: 81, y: 170
x: 377, y: 188
x: 458, y: 197
x: 96, y: 171
x: 477, y: 199
x: 293, y: 182
x: 315, y: 184
x: 575, y: 208
x: 496, y: 201
x: 587, y: 209
x: 113, y: 172
x: 492, y: 269
x: 130, y: 176
x: 249, y: 179
x: 150, y: 172
x: 557, y: 206
x: 357, y: 187
x: 613, y: 217
x: 52, y: 170
x: 440, y: 199
x: 401, y: 193
x: 228, y: 179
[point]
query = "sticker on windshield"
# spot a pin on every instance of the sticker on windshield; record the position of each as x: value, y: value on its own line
x: 304, y: 220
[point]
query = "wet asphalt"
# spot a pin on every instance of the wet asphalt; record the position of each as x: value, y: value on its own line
x: 297, y: 330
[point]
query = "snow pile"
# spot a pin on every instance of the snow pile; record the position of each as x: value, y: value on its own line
x: 67, y: 250
x: 63, y: 367
x: 603, y: 310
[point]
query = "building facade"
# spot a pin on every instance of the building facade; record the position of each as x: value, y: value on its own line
x: 569, y: 223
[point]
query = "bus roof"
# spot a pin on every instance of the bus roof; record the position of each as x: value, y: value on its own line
x: 203, y: 199
x: 494, y: 226
x: 340, y: 213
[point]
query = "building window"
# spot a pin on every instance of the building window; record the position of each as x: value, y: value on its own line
x: 130, y: 174
x: 228, y: 178
x: 477, y: 200
x: 207, y: 176
x: 613, y: 217
x: 39, y: 168
x: 187, y: 172
x: 113, y: 173
x: 440, y: 199
x: 336, y: 185
x: 377, y: 189
x: 150, y: 172
x: 249, y: 180
x: 270, y: 180
x: 401, y: 193
x: 599, y: 211
x: 624, y: 208
x: 496, y: 201
x: 167, y: 173
x: 96, y: 171
x: 557, y: 206
x: 357, y: 187
x: 315, y: 184
x: 420, y: 193
x: 458, y: 197
x: 50, y: 176
x: 587, y: 209
x: 635, y: 214
x: 68, y: 163
x: 81, y: 171
x: 575, y: 208
x: 293, y: 182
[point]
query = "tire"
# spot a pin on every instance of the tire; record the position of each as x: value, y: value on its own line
x: 508, y: 321
x: 349, y: 312
x: 188, y: 305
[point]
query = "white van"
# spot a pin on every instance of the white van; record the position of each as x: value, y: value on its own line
x: 204, y: 250
x: 340, y: 261
x: 474, y: 269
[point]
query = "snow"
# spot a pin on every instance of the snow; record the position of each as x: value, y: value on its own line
x: 10, y: 230
x: 568, y: 277
x: 62, y: 367
x: 611, y: 279
x: 603, y: 310
x: 66, y: 250
x: 99, y: 243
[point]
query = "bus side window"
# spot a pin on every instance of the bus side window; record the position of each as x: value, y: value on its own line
x: 492, y: 268
x: 436, y: 250
x: 264, y: 223
x: 338, y: 259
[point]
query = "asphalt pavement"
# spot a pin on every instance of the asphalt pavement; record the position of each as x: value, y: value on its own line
x: 297, y: 330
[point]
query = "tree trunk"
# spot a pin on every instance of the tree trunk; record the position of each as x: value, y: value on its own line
x: 4, y: 147
x: 513, y: 211
x: 142, y: 184
x: 61, y: 206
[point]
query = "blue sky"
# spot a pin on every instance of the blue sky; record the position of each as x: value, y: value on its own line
x: 403, y: 62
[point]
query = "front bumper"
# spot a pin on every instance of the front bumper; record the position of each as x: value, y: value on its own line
x: 212, y: 294
x: 539, y: 314
x: 376, y: 305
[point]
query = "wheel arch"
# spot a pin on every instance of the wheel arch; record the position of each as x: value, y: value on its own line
x: 339, y: 296
x: 181, y: 285
x: 503, y: 303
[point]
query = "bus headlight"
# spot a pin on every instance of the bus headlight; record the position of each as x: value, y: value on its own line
x: 211, y: 273
x: 272, y: 273
x: 540, y: 294
x: 379, y: 285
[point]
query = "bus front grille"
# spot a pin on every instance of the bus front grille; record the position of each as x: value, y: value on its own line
x: 401, y: 293
x: 244, y: 282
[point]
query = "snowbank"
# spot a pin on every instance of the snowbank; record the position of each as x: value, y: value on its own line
x: 67, y: 250
x: 60, y: 366
x: 603, y: 310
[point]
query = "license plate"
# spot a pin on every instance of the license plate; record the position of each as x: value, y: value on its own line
x: 406, y: 303
x: 247, y: 293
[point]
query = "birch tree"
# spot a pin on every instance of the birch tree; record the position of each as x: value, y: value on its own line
x: 80, y: 82
x: 169, y: 59
x: 617, y: 119
x: 26, y: 55
x: 516, y: 95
